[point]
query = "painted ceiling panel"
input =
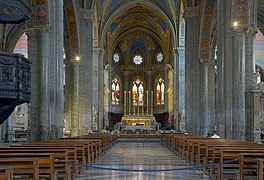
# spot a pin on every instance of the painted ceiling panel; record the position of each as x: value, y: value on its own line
x: 163, y: 25
x: 113, y: 2
x: 113, y: 26
x: 164, y: 3
x: 138, y: 43
x: 11, y: 14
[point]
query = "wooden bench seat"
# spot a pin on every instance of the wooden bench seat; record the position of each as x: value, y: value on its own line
x: 61, y: 156
x: 6, y: 173
x: 248, y: 165
x: 23, y: 168
x: 46, y: 161
x: 226, y: 154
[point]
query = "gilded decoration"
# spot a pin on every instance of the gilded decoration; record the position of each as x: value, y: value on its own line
x: 205, y: 35
x: 240, y: 11
x: 72, y: 27
x: 41, y: 13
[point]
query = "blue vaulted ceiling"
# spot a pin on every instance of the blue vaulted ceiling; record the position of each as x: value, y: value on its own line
x: 9, y: 13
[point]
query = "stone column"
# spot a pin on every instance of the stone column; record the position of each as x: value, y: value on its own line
x: 205, y: 123
x: 224, y: 70
x: 68, y: 94
x: 39, y: 112
x: 75, y: 119
x: 97, y: 99
x: 181, y: 52
x: 193, y: 73
x: 126, y: 83
x: 176, y: 89
x: 46, y: 52
x: 208, y: 96
x: 150, y: 85
x: 106, y: 95
x: 211, y: 95
x: 86, y: 70
x: 250, y: 78
x: 56, y: 64
x: 238, y: 127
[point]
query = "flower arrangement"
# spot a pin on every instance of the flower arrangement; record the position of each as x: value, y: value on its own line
x: 172, y: 131
x: 103, y: 131
x: 116, y: 131
x: 159, y: 132
x: 90, y: 131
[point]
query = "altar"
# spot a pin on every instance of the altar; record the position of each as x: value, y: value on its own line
x: 136, y: 115
x: 144, y: 122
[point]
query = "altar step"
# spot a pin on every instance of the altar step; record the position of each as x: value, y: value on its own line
x: 138, y: 140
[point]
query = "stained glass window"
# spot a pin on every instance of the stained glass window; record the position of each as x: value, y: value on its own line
x: 137, y: 59
x: 116, y: 58
x: 160, y: 91
x: 137, y: 93
x: 115, y: 91
x: 159, y: 57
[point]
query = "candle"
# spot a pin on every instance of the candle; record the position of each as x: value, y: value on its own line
x: 124, y: 103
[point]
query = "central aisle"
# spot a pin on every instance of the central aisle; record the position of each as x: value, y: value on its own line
x: 143, y: 156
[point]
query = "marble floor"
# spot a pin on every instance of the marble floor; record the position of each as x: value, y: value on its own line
x: 141, y: 156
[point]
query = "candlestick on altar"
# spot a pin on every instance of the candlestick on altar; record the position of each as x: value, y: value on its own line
x: 129, y: 104
x: 124, y: 103
x: 134, y: 110
x: 151, y: 97
x: 138, y: 108
x: 142, y: 110
x: 147, y: 103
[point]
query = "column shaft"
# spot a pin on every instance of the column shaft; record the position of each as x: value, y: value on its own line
x: 239, y: 85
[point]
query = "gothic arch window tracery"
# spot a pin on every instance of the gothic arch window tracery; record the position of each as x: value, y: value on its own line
x: 137, y: 93
x: 159, y: 57
x: 160, y: 91
x: 115, y: 91
x: 116, y: 58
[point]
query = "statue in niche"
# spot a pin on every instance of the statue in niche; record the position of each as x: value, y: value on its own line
x: 182, y: 114
x: 94, y: 115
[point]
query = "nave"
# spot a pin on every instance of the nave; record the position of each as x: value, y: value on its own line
x: 141, y: 156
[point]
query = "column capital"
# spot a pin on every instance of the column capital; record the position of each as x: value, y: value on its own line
x: 192, y: 11
x: 251, y: 31
x: 258, y: 87
x: 239, y: 30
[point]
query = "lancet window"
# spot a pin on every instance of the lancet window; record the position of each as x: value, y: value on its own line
x: 115, y: 91
x: 137, y: 93
x: 160, y: 88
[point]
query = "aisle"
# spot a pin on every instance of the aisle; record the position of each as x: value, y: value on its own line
x: 130, y: 155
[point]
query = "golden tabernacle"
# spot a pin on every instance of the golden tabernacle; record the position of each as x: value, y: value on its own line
x: 138, y: 121
x: 136, y: 115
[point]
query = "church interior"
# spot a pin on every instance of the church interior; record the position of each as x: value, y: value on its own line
x: 82, y: 81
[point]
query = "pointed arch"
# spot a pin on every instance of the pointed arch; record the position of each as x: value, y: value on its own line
x: 160, y: 90
x: 115, y: 90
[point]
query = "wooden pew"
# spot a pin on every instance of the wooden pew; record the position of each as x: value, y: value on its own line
x: 231, y: 153
x: 260, y: 168
x: 6, y: 173
x: 248, y: 165
x: 61, y: 169
x: 23, y: 168
x: 46, y: 161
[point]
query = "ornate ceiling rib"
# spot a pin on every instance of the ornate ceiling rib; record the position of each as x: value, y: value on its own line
x: 72, y: 27
x: 206, y: 28
x: 11, y: 14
